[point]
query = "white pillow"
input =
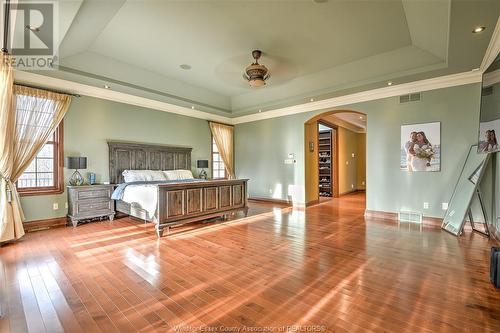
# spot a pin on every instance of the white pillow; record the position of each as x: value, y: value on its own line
x: 130, y: 176
x: 178, y: 174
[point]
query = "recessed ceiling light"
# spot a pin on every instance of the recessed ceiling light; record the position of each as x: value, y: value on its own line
x: 32, y: 28
x: 360, y: 117
x: 106, y: 86
x: 311, y: 100
x: 260, y: 110
x: 192, y: 107
x: 389, y: 83
x: 185, y: 66
x: 478, y: 30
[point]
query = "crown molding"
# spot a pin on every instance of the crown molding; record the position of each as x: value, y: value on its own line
x: 370, y: 95
x: 111, y: 95
x: 491, y: 78
x: 493, y: 48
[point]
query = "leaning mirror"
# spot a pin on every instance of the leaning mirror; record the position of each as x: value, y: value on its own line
x: 464, y: 191
x: 489, y: 121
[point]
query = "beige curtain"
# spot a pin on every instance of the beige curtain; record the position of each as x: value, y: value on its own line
x: 223, y: 137
x: 28, y: 117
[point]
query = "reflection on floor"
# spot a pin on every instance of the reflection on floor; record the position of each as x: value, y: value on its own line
x: 325, y: 266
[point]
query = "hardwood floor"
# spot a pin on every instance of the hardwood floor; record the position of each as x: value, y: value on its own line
x: 324, y: 266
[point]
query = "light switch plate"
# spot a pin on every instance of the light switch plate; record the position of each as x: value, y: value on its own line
x: 426, y: 205
x: 444, y: 206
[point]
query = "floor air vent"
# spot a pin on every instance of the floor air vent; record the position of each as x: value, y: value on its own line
x: 410, y: 98
x: 414, y: 217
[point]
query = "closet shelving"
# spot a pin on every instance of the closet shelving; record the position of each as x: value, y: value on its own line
x: 325, y: 163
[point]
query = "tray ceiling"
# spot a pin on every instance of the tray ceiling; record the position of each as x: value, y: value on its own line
x: 313, y: 50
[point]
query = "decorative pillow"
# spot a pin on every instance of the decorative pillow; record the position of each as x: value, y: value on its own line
x: 178, y: 174
x: 143, y: 175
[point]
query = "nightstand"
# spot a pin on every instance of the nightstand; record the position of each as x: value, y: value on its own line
x: 90, y: 201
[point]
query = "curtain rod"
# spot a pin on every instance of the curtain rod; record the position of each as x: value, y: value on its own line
x: 51, y: 90
x: 6, y: 27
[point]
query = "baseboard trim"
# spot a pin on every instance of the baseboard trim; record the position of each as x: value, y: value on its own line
x: 38, y: 225
x: 350, y: 192
x: 426, y: 220
x: 377, y: 214
x: 270, y: 200
x: 312, y: 203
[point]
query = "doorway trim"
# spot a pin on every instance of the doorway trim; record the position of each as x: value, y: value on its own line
x: 311, y: 157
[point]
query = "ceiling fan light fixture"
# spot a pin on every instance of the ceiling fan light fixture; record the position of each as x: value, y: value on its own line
x: 255, y: 73
x: 256, y: 83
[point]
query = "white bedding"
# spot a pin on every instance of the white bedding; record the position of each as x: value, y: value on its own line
x: 144, y: 196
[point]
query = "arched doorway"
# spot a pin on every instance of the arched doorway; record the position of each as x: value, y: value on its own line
x: 342, y: 168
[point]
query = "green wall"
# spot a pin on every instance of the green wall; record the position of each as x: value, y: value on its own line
x: 361, y: 172
x: 260, y: 150
x: 348, y: 144
x: 490, y: 105
x: 90, y: 122
x: 261, y: 146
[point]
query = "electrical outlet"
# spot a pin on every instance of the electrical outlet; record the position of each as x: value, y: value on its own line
x: 426, y: 205
x: 352, y: 185
x: 444, y: 206
x: 353, y: 155
x: 363, y: 183
x: 346, y: 162
x: 55, y: 206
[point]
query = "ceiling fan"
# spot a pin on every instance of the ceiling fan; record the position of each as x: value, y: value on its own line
x: 255, y: 73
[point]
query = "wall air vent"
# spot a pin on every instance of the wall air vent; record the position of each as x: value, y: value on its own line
x: 487, y: 91
x: 414, y: 217
x: 410, y: 98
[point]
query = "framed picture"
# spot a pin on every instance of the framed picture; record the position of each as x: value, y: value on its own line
x: 488, y: 142
x: 421, y: 147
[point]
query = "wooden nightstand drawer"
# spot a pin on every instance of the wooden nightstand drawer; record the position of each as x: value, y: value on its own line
x: 92, y: 205
x: 98, y: 193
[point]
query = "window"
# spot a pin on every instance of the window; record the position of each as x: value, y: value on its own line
x: 45, y: 173
x: 218, y: 168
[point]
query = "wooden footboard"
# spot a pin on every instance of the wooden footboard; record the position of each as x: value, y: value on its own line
x: 190, y: 202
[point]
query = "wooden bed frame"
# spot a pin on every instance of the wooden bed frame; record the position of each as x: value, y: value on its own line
x: 178, y: 203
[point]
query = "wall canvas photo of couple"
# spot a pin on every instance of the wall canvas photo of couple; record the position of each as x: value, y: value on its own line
x: 421, y: 147
x: 488, y: 142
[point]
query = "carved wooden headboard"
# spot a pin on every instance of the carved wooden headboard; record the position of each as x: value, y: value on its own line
x: 139, y: 156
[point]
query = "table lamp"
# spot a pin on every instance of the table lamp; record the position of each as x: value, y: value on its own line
x: 202, y: 164
x: 77, y: 163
